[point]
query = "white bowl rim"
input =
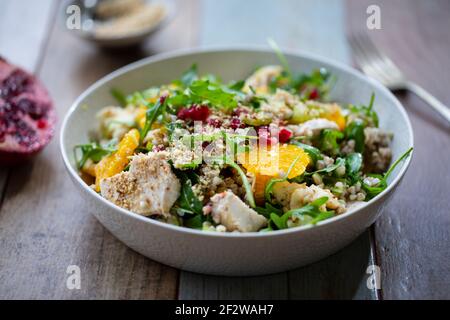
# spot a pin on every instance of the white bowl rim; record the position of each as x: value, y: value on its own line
x: 216, y: 49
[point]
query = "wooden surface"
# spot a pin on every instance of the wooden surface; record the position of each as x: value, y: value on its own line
x: 413, y: 234
x: 45, y: 226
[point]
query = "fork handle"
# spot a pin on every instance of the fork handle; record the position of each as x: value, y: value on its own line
x: 438, y: 106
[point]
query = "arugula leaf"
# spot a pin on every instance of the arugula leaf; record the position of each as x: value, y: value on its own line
x: 353, y: 164
x: 323, y: 215
x: 313, y: 152
x: 312, y: 209
x: 372, y: 191
x: 339, y: 162
x: 187, y: 202
x: 281, y: 57
x: 317, y: 80
x: 255, y: 101
x: 236, y: 85
x: 171, y: 127
x: 280, y: 222
x: 228, y: 159
x: 268, y: 209
x: 119, y: 96
x: 328, y: 141
x: 355, y: 131
x: 152, y: 113
x: 245, y: 182
x: 189, y: 76
x: 92, y: 151
x: 195, y: 222
x: 145, y: 149
x: 179, y: 100
x: 203, y: 90
x: 370, y: 113
x: 366, y: 113
x: 268, y: 191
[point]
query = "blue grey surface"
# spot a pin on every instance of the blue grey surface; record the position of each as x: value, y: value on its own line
x: 314, y: 26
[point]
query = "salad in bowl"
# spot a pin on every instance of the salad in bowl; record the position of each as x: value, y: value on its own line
x: 265, y: 153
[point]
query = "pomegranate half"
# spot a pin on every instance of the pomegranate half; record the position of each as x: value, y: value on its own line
x: 27, y: 115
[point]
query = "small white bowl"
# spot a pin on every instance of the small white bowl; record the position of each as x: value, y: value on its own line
x: 88, y: 25
x: 232, y: 253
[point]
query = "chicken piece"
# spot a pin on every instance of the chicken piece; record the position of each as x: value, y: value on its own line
x: 149, y: 187
x: 294, y: 195
x: 260, y: 80
x: 234, y: 214
x: 312, y: 127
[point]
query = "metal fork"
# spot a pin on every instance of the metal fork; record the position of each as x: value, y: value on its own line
x: 377, y: 65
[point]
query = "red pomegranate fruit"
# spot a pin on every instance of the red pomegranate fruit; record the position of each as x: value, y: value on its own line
x: 27, y: 115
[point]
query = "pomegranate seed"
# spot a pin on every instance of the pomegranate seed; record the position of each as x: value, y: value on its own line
x: 216, y: 123
x: 284, y: 135
x: 205, y: 144
x: 236, y: 123
x: 158, y: 148
x: 162, y: 99
x: 16, y: 83
x: 41, y: 124
x: 240, y: 111
x: 314, y: 94
x: 183, y: 114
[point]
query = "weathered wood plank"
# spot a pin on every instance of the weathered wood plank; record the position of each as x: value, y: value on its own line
x: 413, y: 233
x: 45, y: 226
x: 315, y: 27
x: 340, y: 276
x: 197, y: 286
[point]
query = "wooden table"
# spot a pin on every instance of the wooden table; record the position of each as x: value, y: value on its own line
x: 45, y: 226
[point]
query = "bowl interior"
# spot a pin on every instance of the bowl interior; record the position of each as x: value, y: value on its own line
x: 231, y: 64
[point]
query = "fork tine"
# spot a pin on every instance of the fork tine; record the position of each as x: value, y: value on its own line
x: 375, y: 52
x: 365, y: 60
x: 357, y: 53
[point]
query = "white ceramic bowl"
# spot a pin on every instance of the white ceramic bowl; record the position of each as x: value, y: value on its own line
x: 87, y: 32
x: 232, y: 253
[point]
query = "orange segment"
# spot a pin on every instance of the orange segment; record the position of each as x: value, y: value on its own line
x: 259, y: 187
x: 334, y: 114
x: 275, y: 161
x: 116, y: 162
x: 266, y: 164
